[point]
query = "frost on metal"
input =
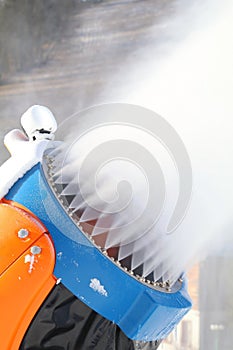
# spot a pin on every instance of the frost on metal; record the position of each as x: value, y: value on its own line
x: 97, y: 287
x: 59, y: 255
x: 31, y: 260
x: 24, y: 155
x: 26, y: 150
x: 75, y: 263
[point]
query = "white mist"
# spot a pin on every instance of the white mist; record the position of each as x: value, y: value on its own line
x: 190, y: 83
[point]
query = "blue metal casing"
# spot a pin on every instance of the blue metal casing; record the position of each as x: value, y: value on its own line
x: 142, y: 312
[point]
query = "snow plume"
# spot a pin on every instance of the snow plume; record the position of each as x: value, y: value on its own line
x: 191, y: 86
x: 129, y: 201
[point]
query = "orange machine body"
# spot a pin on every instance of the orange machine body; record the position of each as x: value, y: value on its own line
x: 27, y: 259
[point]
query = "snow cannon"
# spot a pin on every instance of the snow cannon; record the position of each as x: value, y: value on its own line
x: 59, y: 249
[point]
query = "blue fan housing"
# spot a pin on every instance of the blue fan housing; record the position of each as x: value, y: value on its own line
x: 141, y: 311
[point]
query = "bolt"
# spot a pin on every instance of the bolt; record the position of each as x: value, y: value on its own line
x: 35, y: 250
x: 23, y: 233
